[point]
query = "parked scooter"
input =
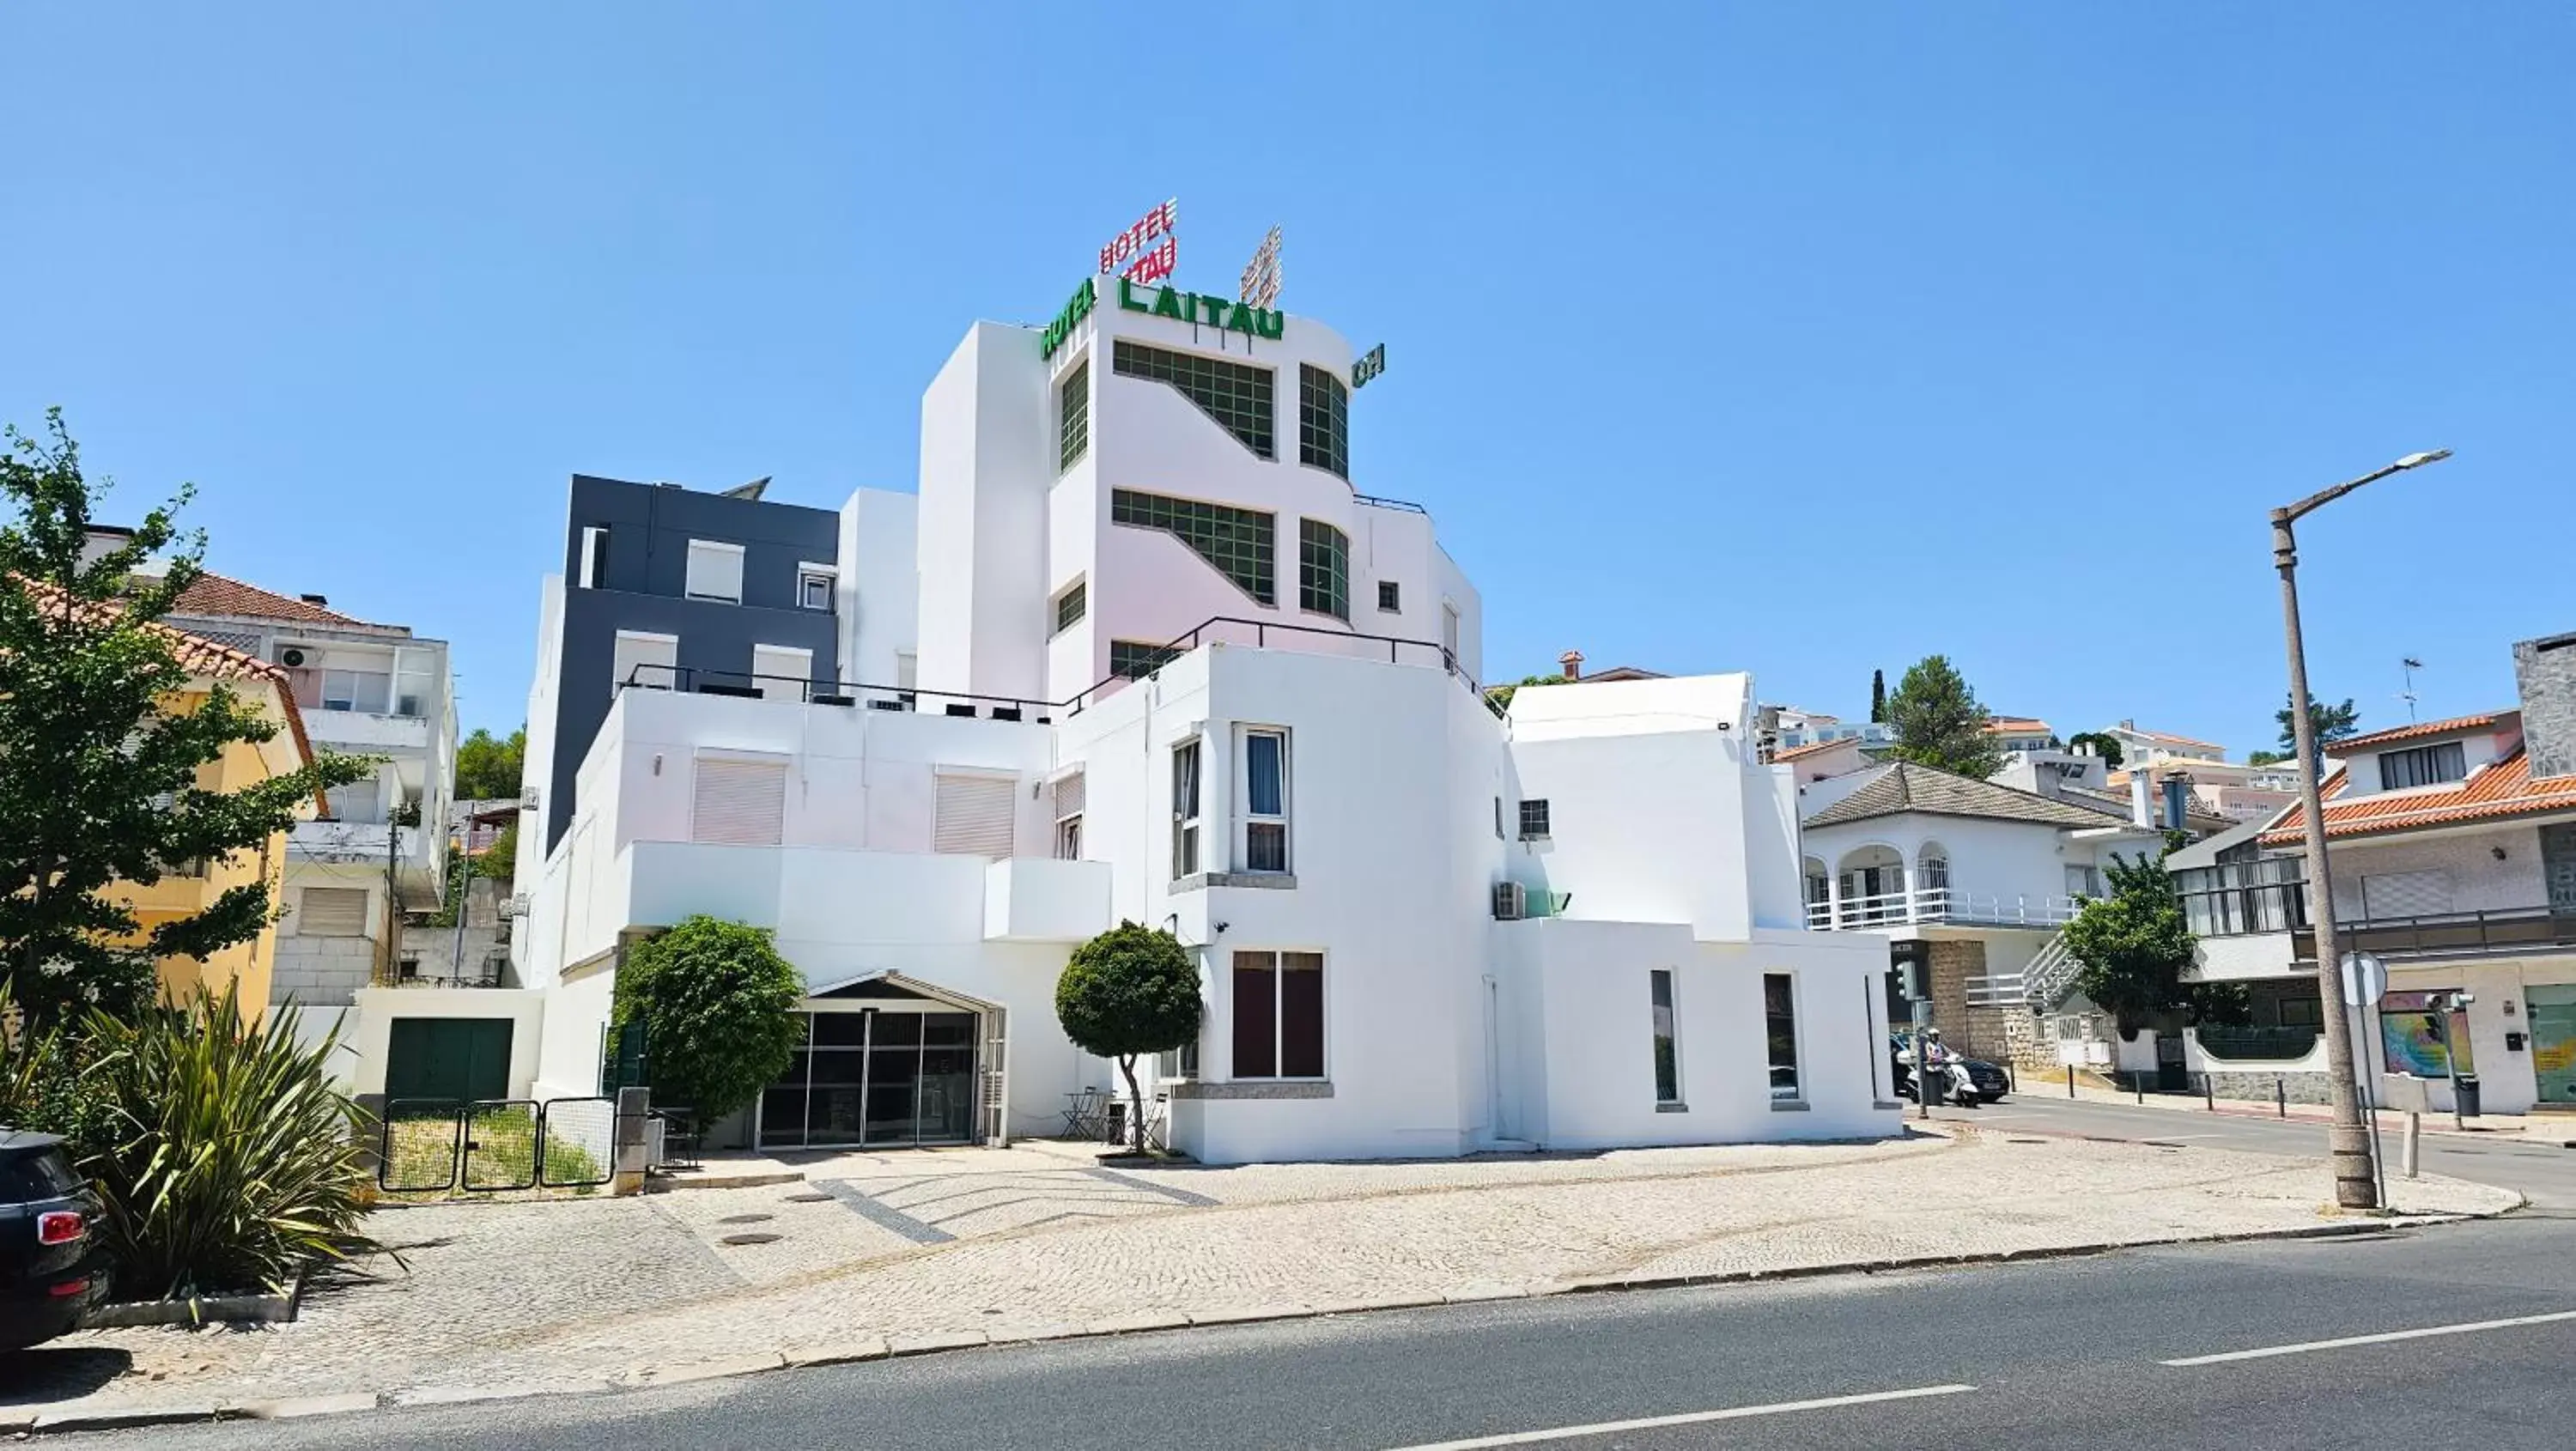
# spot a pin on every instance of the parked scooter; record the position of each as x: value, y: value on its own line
x: 1949, y: 1073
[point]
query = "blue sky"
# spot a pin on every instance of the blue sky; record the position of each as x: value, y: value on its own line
x: 1798, y: 339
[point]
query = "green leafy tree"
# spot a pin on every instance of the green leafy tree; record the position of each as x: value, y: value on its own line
x: 500, y: 860
x: 2331, y: 723
x: 719, y: 1009
x: 1128, y: 992
x: 1878, y: 697
x: 2267, y: 758
x: 2107, y: 747
x: 2133, y: 944
x: 99, y: 775
x: 1500, y: 697
x: 487, y: 766
x: 1938, y: 721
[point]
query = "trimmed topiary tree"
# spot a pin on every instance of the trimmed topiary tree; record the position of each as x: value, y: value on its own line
x: 719, y: 1009
x: 1127, y: 992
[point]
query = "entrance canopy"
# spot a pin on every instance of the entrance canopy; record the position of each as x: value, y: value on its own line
x: 887, y: 983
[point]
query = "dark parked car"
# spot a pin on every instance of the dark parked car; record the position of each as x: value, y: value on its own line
x: 51, y: 1266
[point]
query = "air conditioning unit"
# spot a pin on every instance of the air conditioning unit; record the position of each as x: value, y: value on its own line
x: 1510, y: 903
x: 290, y: 656
x: 529, y: 798
x: 518, y: 904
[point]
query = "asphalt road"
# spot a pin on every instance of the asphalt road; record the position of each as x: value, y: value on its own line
x: 2048, y: 1354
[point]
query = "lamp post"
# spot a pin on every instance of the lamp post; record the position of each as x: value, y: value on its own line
x: 2348, y: 1143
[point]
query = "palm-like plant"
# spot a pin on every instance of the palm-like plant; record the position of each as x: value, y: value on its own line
x: 227, y: 1159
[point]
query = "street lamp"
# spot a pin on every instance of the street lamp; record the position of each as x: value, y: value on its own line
x: 2348, y: 1143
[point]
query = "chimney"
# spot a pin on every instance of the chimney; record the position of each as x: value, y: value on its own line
x: 317, y: 601
x: 2141, y: 814
x: 2544, y: 675
x: 1571, y: 664
x: 2177, y: 802
x: 102, y: 539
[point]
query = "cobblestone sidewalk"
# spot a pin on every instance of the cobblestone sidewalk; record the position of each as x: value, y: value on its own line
x: 895, y: 1252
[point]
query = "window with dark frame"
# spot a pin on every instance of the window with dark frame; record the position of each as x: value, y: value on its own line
x: 2423, y: 766
x: 1323, y: 569
x: 1185, y: 810
x: 1241, y: 543
x: 1780, y: 1032
x: 1278, y: 1014
x: 1668, y: 1064
x: 1388, y: 598
x: 1534, y: 819
x: 1265, y: 801
x: 1323, y: 421
x: 1070, y: 605
x: 1073, y: 416
x: 1239, y: 397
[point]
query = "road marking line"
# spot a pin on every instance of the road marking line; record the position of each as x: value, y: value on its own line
x: 1692, y: 1418
x: 2380, y: 1339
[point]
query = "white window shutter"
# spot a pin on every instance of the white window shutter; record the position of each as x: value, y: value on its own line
x: 715, y: 571
x: 332, y: 912
x: 1068, y: 796
x: 973, y: 815
x: 739, y: 803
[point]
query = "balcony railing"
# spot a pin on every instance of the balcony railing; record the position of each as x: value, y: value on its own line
x: 1220, y: 629
x: 2449, y: 934
x: 1941, y: 905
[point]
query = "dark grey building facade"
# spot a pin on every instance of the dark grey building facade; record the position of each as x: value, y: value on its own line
x: 628, y: 568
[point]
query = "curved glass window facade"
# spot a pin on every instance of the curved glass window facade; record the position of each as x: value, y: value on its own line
x: 1239, y: 542
x: 1323, y: 421
x: 1323, y: 569
x: 1238, y: 397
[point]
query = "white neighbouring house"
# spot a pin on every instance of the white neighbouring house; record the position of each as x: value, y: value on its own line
x: 1163, y: 663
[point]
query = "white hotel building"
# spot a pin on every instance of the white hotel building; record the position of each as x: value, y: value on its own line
x: 1140, y: 651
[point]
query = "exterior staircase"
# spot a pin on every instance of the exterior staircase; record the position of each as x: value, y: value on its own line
x: 2050, y: 977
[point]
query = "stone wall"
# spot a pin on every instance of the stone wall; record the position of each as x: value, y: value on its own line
x: 2544, y: 673
x: 321, y: 971
x: 2300, y: 1087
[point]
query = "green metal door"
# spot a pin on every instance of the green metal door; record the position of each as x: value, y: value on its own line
x: 453, y: 1058
x: 2553, y: 1042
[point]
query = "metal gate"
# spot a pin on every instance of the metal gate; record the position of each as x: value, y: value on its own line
x: 493, y: 1146
x: 417, y: 1145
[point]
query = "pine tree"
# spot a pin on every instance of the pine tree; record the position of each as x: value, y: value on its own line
x: 1938, y: 721
x: 99, y: 775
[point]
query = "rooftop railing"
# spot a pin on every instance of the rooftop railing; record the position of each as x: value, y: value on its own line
x: 1941, y: 905
x: 1227, y: 629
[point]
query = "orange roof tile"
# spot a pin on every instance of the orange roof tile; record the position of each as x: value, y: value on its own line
x: 2014, y: 724
x: 2501, y: 790
x: 196, y: 655
x: 2178, y: 740
x: 2411, y: 732
x: 1812, y: 747
x: 214, y: 594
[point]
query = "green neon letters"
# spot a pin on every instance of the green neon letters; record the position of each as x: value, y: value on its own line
x: 1204, y: 310
x: 1076, y: 308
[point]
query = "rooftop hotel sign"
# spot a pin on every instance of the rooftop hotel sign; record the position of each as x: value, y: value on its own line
x: 1196, y: 308
x: 1135, y: 255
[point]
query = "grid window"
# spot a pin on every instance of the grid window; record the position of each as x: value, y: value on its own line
x: 2422, y: 766
x: 1240, y: 543
x: 1323, y: 421
x: 1388, y: 597
x: 1134, y: 659
x: 1073, y: 416
x: 1265, y: 801
x: 1323, y: 569
x: 1668, y: 1063
x: 1070, y: 605
x: 1238, y: 397
x: 1780, y: 1032
x: 1533, y: 819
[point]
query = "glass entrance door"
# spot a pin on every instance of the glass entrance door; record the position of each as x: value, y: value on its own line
x: 2553, y: 1042
x: 875, y: 1078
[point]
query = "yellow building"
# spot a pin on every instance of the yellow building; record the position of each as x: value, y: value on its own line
x: 177, y: 895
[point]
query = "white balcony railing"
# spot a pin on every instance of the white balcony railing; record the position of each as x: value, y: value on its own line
x: 1940, y: 905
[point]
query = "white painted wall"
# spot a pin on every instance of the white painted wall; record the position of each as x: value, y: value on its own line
x: 877, y: 593
x: 378, y: 1007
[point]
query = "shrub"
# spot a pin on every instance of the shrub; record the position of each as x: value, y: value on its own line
x: 720, y: 1012
x: 227, y: 1160
x: 1129, y: 991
